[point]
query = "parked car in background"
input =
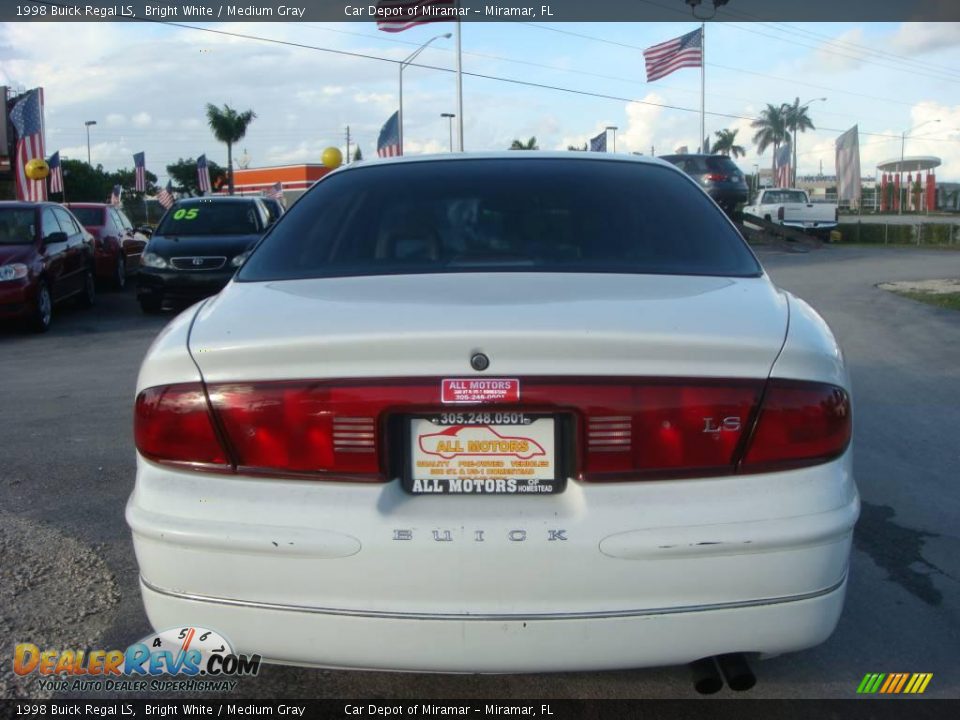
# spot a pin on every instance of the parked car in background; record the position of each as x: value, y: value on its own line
x: 792, y: 208
x: 46, y: 257
x: 717, y: 174
x: 117, y: 243
x: 197, y: 247
x: 274, y: 208
x: 507, y: 412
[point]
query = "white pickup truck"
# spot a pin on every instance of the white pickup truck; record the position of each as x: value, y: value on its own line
x: 790, y: 207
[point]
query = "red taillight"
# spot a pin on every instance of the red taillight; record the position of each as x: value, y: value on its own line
x: 172, y: 424
x: 780, y: 213
x: 611, y: 429
x: 667, y: 429
x: 799, y: 424
x: 716, y: 177
x: 301, y: 428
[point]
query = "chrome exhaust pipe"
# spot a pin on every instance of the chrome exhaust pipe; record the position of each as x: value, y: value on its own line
x: 736, y: 671
x: 706, y: 677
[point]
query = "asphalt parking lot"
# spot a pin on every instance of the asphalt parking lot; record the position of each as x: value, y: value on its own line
x: 68, y: 577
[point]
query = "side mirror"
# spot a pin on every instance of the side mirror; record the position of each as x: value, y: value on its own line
x: 144, y: 230
x: 55, y: 237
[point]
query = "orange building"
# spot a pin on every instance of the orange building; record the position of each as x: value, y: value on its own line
x: 295, y: 179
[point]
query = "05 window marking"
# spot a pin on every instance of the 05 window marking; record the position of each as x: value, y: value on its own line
x: 186, y: 214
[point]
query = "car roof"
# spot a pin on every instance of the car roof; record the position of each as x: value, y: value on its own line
x: 510, y: 155
x: 217, y: 198
x: 27, y: 204
x: 696, y: 155
x: 88, y: 205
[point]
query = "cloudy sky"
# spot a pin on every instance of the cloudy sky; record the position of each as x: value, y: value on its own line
x: 146, y: 85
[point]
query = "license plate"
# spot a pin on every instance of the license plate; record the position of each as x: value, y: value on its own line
x: 483, y: 453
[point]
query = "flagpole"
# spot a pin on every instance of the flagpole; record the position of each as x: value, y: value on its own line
x: 459, y: 89
x: 703, y: 86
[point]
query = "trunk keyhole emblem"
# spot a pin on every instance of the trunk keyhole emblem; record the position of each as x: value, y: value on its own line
x: 479, y: 362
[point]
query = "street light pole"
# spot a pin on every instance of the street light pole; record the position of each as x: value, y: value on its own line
x: 410, y: 58
x: 88, y: 123
x: 614, y: 128
x: 795, y: 122
x: 903, y: 143
x: 449, y: 117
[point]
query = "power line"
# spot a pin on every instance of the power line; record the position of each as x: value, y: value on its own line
x: 731, y: 68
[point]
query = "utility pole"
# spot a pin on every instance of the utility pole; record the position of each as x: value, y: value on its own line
x: 348, y: 144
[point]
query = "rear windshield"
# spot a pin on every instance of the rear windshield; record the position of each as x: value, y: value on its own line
x: 696, y: 164
x: 491, y: 215
x: 17, y: 226
x: 91, y: 217
x: 783, y: 196
x: 210, y: 217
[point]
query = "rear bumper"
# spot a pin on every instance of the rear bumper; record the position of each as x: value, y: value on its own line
x: 727, y: 196
x: 105, y: 264
x: 504, y: 645
x: 598, y: 577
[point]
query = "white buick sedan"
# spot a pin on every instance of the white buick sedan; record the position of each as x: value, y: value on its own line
x: 497, y: 413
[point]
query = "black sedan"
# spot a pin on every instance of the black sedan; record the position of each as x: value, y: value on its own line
x: 196, y: 249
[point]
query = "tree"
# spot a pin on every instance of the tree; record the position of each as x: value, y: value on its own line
x: 531, y: 144
x: 705, y: 148
x: 798, y: 121
x: 228, y: 127
x: 357, y: 155
x: 84, y: 183
x: 726, y: 144
x: 772, y: 130
x: 574, y: 147
x: 184, y: 176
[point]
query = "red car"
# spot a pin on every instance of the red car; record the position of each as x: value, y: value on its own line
x: 118, y: 244
x: 45, y: 256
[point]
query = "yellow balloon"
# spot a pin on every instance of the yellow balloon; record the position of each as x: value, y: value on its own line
x: 37, y: 169
x: 332, y: 158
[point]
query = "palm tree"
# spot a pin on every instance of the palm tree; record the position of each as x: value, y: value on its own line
x: 797, y: 121
x: 726, y: 144
x: 531, y: 144
x: 229, y: 127
x: 772, y: 130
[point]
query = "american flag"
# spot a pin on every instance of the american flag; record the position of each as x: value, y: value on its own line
x: 275, y: 191
x: 140, y: 168
x: 681, y: 52
x: 203, y: 174
x: 165, y: 196
x: 400, y: 15
x: 599, y: 143
x: 56, y: 173
x: 27, y: 119
x: 782, y: 165
x: 388, y: 143
x: 115, y: 195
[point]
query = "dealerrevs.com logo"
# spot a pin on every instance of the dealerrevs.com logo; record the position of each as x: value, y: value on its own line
x: 186, y: 659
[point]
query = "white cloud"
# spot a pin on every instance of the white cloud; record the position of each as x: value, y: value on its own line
x: 837, y: 55
x: 642, y: 123
x: 141, y: 119
x: 918, y: 38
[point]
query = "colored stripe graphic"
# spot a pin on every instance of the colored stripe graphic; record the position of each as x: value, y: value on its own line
x: 894, y: 683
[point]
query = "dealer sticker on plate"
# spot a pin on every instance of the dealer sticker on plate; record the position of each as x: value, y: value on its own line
x: 482, y: 453
x: 473, y: 391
